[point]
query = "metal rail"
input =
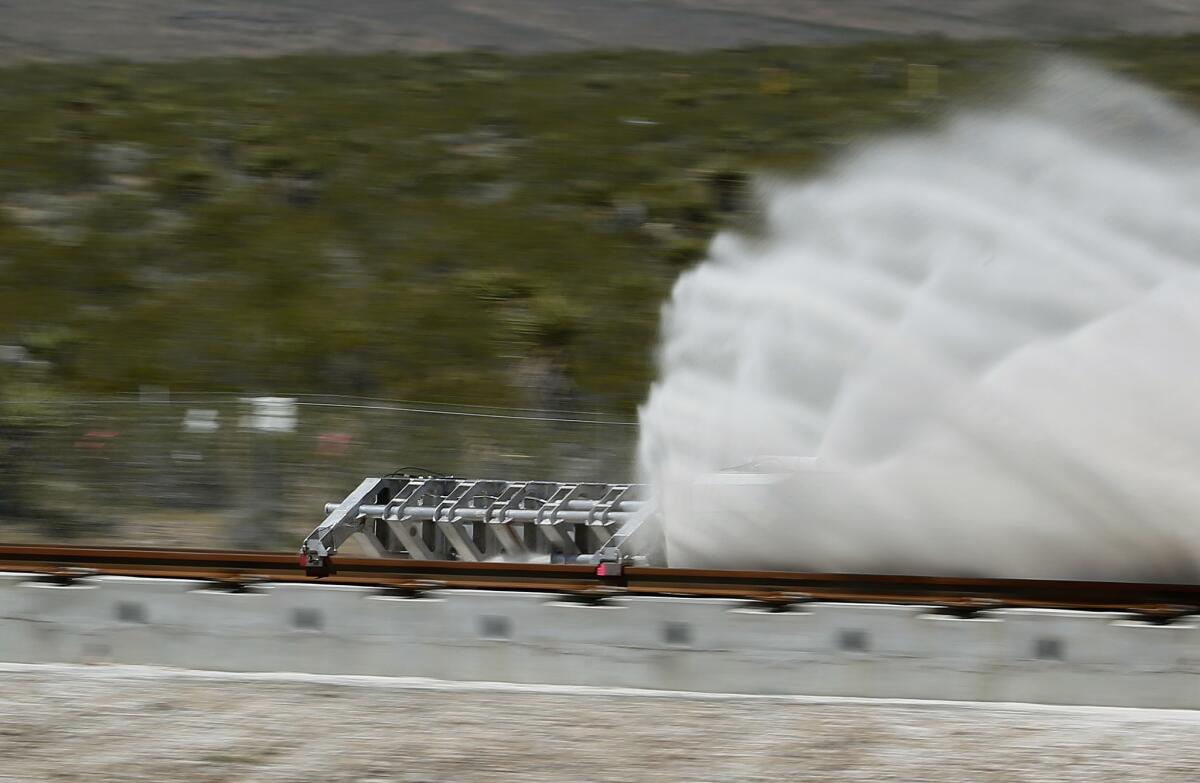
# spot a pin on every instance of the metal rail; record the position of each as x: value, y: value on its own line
x: 779, y: 590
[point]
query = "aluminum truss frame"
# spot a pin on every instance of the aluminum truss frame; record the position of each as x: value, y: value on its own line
x: 427, y: 518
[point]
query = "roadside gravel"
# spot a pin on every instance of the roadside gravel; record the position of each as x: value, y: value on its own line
x: 128, y: 724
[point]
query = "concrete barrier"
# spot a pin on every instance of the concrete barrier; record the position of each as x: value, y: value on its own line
x: 823, y: 649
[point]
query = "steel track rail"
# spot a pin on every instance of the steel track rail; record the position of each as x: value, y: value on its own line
x: 1161, y: 602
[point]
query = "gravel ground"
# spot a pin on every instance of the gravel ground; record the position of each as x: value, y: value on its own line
x: 62, y: 723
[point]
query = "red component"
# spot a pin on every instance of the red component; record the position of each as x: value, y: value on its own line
x: 600, y: 570
x: 303, y: 559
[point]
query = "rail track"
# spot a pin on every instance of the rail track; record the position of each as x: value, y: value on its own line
x: 242, y: 570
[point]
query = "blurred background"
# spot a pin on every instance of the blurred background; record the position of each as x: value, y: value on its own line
x: 252, y: 252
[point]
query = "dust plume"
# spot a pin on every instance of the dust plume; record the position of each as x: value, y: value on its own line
x: 985, y: 340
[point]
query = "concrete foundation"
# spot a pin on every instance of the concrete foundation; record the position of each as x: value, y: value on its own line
x: 822, y: 649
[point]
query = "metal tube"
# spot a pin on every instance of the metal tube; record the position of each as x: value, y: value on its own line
x: 625, y: 506
x: 588, y: 505
x: 373, y: 511
x: 426, y: 512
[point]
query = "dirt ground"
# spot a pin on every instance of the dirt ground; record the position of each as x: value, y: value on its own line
x: 127, y: 724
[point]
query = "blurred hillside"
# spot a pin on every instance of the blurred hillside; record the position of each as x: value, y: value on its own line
x: 465, y: 227
x: 181, y: 29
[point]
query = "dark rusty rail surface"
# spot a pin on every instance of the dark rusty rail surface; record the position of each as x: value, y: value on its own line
x: 1160, y: 602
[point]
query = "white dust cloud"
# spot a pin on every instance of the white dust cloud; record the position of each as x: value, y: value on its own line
x: 988, y: 337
